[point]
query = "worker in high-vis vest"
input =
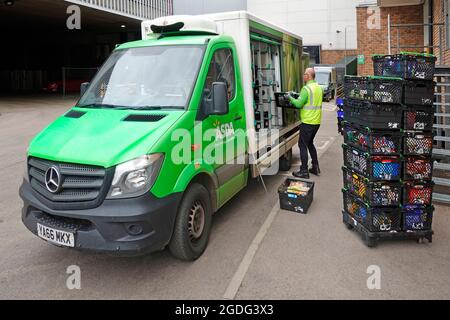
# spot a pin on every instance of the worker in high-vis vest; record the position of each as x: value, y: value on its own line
x: 310, y: 105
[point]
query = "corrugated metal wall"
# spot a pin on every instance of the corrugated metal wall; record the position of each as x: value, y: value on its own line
x: 139, y: 9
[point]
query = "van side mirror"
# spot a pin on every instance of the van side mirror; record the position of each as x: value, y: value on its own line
x: 83, y: 87
x: 219, y: 99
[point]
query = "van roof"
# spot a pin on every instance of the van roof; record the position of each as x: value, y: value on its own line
x: 169, y: 40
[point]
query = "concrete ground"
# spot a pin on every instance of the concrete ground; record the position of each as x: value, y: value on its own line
x: 256, y: 251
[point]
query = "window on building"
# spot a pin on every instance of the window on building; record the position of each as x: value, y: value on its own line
x: 447, y: 24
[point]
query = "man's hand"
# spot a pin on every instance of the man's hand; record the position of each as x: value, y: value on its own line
x: 293, y: 94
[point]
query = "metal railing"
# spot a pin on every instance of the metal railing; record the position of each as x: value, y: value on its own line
x: 137, y: 9
x: 441, y: 149
x: 399, y: 46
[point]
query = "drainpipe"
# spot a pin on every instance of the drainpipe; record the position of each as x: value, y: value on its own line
x: 430, y: 27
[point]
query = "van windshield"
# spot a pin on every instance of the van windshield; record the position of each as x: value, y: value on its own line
x: 148, y: 77
x: 323, y: 78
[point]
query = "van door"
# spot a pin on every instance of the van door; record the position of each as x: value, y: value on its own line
x: 225, y: 138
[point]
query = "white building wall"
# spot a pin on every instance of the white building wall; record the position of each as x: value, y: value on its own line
x: 315, y: 20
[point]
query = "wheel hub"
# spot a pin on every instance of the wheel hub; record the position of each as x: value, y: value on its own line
x: 196, y: 221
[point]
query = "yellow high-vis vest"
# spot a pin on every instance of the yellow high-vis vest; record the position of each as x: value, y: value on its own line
x: 311, y: 113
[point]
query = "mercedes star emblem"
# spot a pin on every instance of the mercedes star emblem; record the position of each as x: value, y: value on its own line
x: 52, y: 179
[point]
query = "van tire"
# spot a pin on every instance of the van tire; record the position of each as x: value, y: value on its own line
x: 286, y: 161
x: 190, y: 235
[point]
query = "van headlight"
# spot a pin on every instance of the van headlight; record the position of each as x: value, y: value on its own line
x: 135, y: 177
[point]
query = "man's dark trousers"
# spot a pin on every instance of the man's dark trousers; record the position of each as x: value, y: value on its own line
x: 306, y: 142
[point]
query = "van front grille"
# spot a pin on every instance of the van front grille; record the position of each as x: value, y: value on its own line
x: 75, y: 183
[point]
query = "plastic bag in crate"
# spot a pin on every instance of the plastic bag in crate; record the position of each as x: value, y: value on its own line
x: 418, y: 119
x: 355, y: 159
x: 418, y: 168
x: 386, y: 90
x: 356, y: 87
x: 373, y: 193
x: 386, y: 168
x: 389, y: 65
x: 419, y: 66
x: 416, y: 217
x: 384, y: 220
x: 354, y: 207
x: 373, y: 142
x: 418, y: 143
x: 417, y: 193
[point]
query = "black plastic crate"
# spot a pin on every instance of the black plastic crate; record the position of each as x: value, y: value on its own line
x: 389, y: 65
x: 386, y: 90
x: 375, y: 168
x: 356, y: 88
x: 407, y: 65
x: 375, y: 219
x: 296, y: 201
x: 282, y: 100
x: 417, y: 143
x: 419, y: 92
x: 417, y: 217
x: 373, y: 115
x: 375, y: 194
x: 417, y: 168
x: 419, y: 66
x: 374, y: 89
x: 418, y: 193
x: 375, y: 142
x: 418, y: 118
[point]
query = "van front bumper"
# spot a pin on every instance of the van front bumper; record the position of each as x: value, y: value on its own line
x: 132, y: 226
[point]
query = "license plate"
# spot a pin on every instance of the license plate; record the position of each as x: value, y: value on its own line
x: 55, y: 236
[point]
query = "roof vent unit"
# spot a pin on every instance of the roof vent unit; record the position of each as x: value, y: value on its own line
x: 177, y: 24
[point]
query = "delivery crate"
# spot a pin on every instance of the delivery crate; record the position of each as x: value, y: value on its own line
x: 419, y: 66
x: 418, y: 118
x: 375, y: 168
x: 375, y: 142
x: 388, y: 65
x: 282, y: 100
x: 419, y: 92
x: 417, y: 168
x: 374, y: 89
x: 417, y: 193
x: 417, y: 217
x: 296, y: 201
x: 373, y: 115
x: 375, y: 194
x: 414, y: 66
x: 417, y: 143
x: 375, y: 219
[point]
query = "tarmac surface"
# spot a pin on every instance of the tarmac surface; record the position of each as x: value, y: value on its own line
x: 256, y: 250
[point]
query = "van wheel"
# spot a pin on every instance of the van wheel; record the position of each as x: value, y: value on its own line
x: 192, y: 225
x: 286, y: 161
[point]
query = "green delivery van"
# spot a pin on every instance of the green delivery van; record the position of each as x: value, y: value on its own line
x: 170, y: 128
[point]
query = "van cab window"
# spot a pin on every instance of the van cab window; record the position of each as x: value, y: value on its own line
x: 221, y: 69
x: 157, y: 76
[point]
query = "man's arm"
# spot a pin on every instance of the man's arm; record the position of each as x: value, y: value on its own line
x: 302, y: 100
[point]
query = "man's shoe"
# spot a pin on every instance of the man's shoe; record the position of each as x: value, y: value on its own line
x: 315, y: 171
x: 301, y: 174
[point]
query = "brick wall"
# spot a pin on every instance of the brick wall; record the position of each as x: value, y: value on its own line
x: 333, y: 56
x: 375, y: 41
x: 438, y: 17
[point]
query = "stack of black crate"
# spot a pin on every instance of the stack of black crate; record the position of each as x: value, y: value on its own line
x: 417, y: 70
x: 387, y: 151
x: 372, y: 156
